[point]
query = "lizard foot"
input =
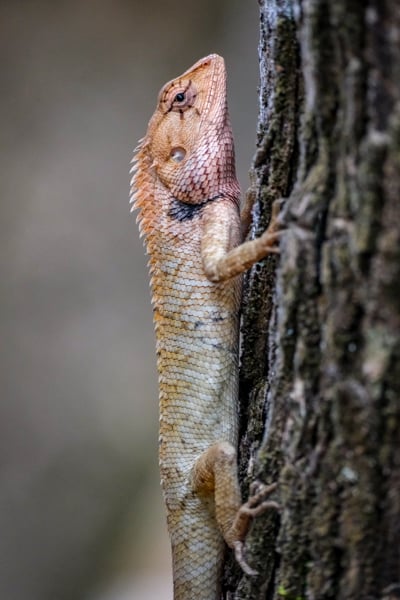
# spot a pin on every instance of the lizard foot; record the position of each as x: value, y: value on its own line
x: 270, y: 240
x: 256, y: 505
x: 275, y: 229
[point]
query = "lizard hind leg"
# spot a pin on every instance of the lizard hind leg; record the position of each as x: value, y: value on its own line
x: 215, y: 472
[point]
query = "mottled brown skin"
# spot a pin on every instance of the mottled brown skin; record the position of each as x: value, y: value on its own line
x: 187, y: 194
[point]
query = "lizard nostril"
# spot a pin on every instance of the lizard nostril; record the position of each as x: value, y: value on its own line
x: 178, y: 154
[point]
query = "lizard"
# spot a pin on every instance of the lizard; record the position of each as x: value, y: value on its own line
x: 185, y: 189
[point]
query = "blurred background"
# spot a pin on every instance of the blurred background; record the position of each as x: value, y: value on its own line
x: 81, y: 513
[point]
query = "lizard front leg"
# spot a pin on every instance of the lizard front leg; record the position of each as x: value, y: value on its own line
x: 220, y: 261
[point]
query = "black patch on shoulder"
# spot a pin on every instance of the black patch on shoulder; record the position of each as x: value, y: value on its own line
x: 182, y: 211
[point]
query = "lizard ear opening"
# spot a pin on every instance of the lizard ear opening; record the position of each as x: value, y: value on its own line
x: 178, y: 154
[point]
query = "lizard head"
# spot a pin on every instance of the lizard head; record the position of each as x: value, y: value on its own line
x: 189, y: 139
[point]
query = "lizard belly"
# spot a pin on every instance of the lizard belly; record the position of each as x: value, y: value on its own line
x: 197, y: 348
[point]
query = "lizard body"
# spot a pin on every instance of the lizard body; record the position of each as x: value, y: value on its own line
x: 187, y: 194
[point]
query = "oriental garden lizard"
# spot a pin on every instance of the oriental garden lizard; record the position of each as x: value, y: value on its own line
x: 187, y: 194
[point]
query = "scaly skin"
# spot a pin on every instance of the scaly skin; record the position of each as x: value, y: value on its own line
x: 187, y: 194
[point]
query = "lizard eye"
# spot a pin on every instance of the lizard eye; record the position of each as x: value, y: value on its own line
x: 178, y: 96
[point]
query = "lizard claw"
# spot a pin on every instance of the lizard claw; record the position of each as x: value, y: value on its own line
x: 239, y: 555
x: 275, y: 229
x: 257, y: 504
x: 271, y: 237
x: 276, y: 207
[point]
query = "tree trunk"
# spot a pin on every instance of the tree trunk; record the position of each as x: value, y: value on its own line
x: 321, y: 325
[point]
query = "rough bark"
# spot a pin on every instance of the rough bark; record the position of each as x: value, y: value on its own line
x: 321, y: 325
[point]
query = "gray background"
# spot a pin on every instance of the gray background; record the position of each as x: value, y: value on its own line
x: 80, y: 506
